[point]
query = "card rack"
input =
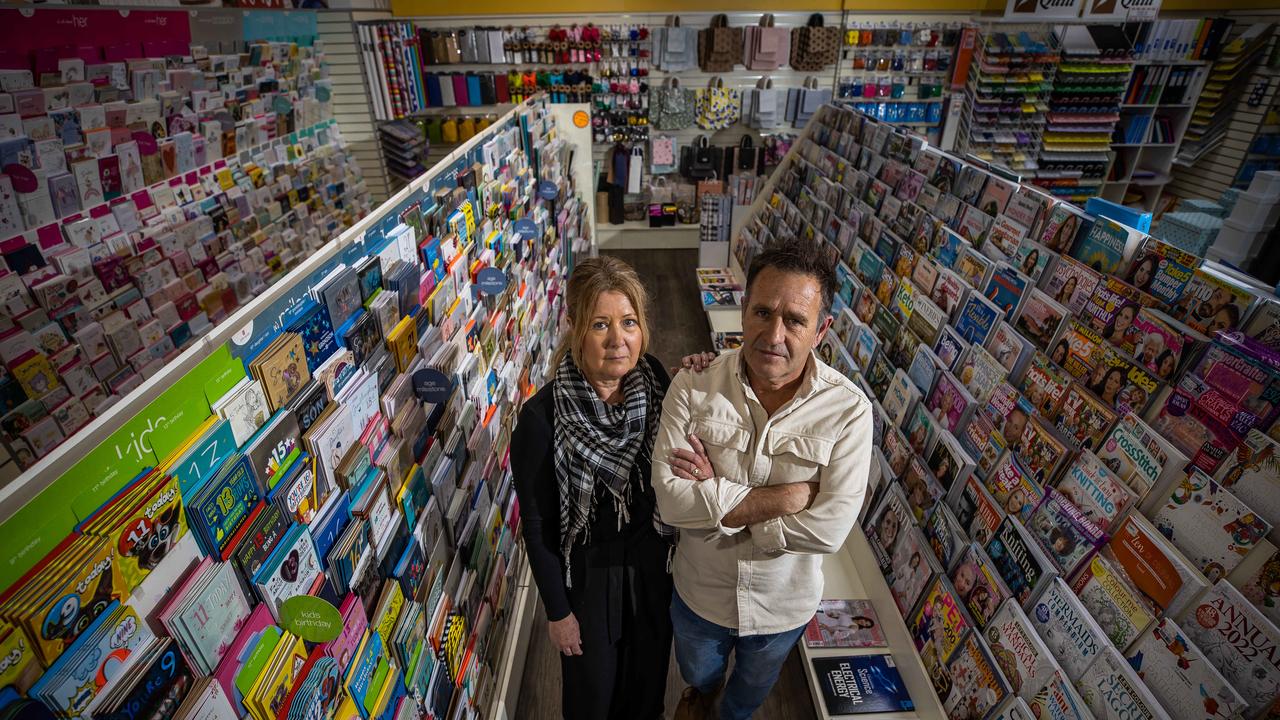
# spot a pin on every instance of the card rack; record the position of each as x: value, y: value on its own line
x: 1084, y: 108
x: 1008, y: 96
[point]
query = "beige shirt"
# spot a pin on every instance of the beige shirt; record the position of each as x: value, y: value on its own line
x: 767, y: 577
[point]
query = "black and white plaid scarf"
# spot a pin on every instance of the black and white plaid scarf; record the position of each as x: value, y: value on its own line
x: 601, y: 443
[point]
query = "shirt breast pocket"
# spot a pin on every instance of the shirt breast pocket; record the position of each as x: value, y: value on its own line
x: 727, y: 446
x: 798, y: 458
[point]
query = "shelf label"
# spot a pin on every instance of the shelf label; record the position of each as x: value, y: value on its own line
x: 1042, y: 9
x: 431, y: 385
x: 311, y: 618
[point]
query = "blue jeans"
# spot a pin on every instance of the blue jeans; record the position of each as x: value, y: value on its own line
x: 702, y: 652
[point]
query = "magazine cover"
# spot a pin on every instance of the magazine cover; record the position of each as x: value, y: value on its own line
x: 924, y: 368
x: 1007, y: 288
x: 1111, y: 309
x: 926, y: 319
x: 1154, y: 565
x: 1096, y: 491
x: 1031, y: 258
x: 1040, y: 318
x: 1084, y: 418
x: 1161, y: 344
x: 1042, y: 449
x: 1078, y: 349
x: 980, y: 373
x: 1044, y: 385
x: 921, y: 429
x: 887, y: 523
x: 1179, y: 676
x: 950, y: 348
x: 1258, y: 579
x: 1013, y: 708
x: 861, y: 684
x: 897, y: 450
x: 1193, y: 427
x: 1112, y: 691
x: 923, y: 490
x: 1018, y: 651
x: 1058, y: 699
x: 1010, y: 349
x: 901, y: 398
x: 1067, y: 629
x: 977, y: 319
x: 845, y: 624
x: 977, y: 686
x: 1210, y: 525
x: 983, y: 442
x: 1070, y: 283
x: 949, y: 402
x: 1119, y: 609
x: 1121, y: 383
x: 1252, y: 474
x: 948, y: 461
x: 1013, y: 489
x: 949, y: 292
x: 946, y: 536
x: 1140, y: 458
x: 1107, y: 247
x: 1213, y: 302
x: 912, y: 566
x: 978, y: 585
x: 1061, y: 227
x: 1238, y: 370
x: 1064, y: 533
x: 1009, y: 413
x: 1237, y: 640
x: 1162, y: 270
x: 976, y: 510
x: 973, y: 267
x: 939, y: 620
x: 1021, y: 564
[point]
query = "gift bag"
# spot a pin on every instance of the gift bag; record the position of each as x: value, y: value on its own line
x: 675, y: 48
x: 716, y: 107
x: 719, y: 46
x: 663, y: 154
x: 814, y: 46
x: 671, y: 107
x: 809, y: 100
x: 700, y: 160
x: 765, y: 47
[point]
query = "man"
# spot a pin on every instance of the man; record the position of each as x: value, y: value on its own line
x: 762, y: 459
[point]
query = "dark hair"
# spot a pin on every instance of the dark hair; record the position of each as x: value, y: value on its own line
x: 804, y: 257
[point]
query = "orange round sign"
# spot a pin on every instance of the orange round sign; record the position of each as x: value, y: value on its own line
x: 581, y: 119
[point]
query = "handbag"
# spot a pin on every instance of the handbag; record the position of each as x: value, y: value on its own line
x: 716, y: 107
x: 814, y: 46
x: 719, y: 46
x: 748, y: 154
x: 671, y: 106
x: 701, y: 160
x: 765, y: 47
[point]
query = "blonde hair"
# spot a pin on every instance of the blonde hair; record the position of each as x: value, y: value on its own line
x: 589, y: 279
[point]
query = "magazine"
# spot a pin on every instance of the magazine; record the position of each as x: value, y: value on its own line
x: 977, y: 685
x: 976, y: 510
x: 1162, y: 270
x: 939, y: 620
x: 1101, y: 496
x: 1112, y: 691
x: 1237, y: 640
x: 1058, y: 699
x: 1069, y: 283
x: 978, y: 585
x: 1252, y: 474
x: 1010, y: 349
x: 1210, y: 525
x: 1067, y: 629
x: 1154, y: 565
x: 1013, y: 489
x: 1179, y: 676
x: 1018, y: 651
x: 1019, y: 560
x: 912, y: 566
x: 1084, y: 418
x: 1161, y: 344
x: 1044, y: 385
x: 861, y: 684
x: 1119, y: 609
x: 1064, y: 533
x: 946, y: 536
x: 845, y: 624
x: 1040, y: 318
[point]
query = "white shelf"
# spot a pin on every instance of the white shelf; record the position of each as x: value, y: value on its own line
x: 852, y: 574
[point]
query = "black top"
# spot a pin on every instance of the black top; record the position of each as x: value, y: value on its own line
x: 533, y: 465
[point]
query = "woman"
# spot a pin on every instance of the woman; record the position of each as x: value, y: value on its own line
x: 1108, y: 388
x: 580, y: 456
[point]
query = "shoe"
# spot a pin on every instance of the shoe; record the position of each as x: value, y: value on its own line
x: 695, y: 705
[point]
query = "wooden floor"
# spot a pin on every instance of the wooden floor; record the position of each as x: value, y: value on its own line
x: 678, y: 327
